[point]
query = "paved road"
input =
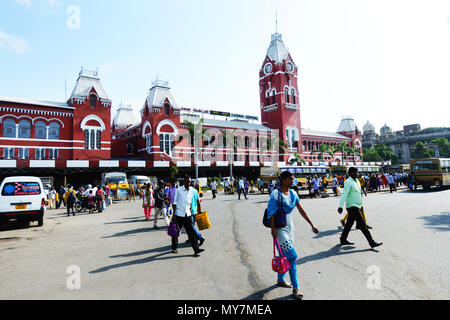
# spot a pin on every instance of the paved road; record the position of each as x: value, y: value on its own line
x: 120, y: 256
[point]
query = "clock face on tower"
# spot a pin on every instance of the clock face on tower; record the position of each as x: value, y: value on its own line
x: 268, y: 68
x: 290, y: 66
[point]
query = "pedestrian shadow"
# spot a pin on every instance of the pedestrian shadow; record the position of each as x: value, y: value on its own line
x: 129, y: 232
x: 328, y: 233
x: 128, y: 221
x: 439, y: 222
x: 337, y: 250
x: 260, y: 294
x: 167, y: 250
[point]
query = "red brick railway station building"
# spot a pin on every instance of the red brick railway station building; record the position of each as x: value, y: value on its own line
x: 79, y: 138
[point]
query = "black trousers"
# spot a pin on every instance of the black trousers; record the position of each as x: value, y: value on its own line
x: 186, y: 222
x: 354, y: 214
x: 239, y: 193
x: 70, y: 207
x: 214, y: 193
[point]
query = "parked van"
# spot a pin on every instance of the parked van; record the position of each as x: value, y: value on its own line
x: 118, y: 184
x: 22, y: 199
x: 138, y: 182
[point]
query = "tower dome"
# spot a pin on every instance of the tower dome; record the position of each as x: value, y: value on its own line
x: 348, y: 124
x: 385, y: 130
x: 368, y: 127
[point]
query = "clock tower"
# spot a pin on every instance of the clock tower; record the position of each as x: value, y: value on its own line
x: 278, y: 89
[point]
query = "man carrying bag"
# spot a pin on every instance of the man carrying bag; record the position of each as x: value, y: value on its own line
x: 182, y: 207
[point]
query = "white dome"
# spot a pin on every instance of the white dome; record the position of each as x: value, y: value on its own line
x: 385, y: 129
x: 368, y: 127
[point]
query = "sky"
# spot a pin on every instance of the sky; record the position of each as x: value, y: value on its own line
x: 382, y: 61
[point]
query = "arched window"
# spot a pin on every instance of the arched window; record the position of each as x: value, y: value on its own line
x: 167, y: 143
x: 268, y: 98
x: 273, y: 96
x: 53, y: 131
x: 40, y: 130
x: 24, y: 129
x: 9, y: 128
x: 92, y: 100
x: 286, y: 94
x: 293, y: 96
x: 166, y: 109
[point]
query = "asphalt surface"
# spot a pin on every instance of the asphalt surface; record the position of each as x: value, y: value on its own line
x: 120, y: 256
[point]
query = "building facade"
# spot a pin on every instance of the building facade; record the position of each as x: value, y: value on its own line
x: 404, y: 141
x: 78, y: 129
x: 163, y: 134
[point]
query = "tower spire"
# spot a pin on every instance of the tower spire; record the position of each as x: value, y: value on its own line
x: 276, y: 21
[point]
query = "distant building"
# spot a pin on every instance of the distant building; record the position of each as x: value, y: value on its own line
x: 404, y: 141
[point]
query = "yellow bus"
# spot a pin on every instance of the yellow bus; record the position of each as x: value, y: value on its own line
x: 431, y: 172
x: 398, y: 168
x: 341, y: 171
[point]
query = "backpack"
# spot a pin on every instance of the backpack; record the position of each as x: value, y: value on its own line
x: 280, y: 215
x: 99, y: 195
x: 71, y: 198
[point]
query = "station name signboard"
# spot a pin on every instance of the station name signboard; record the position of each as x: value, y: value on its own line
x: 219, y: 113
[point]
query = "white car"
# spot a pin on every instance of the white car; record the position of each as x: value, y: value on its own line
x: 23, y: 199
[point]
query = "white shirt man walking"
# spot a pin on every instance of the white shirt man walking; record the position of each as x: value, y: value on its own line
x: 213, y: 188
x: 182, y: 207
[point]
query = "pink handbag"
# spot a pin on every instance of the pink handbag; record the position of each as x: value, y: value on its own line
x: 279, y: 264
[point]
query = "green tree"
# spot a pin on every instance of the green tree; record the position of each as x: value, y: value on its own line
x: 353, y: 151
x: 386, y: 153
x: 173, y: 172
x: 371, y: 155
x: 296, y: 158
x: 443, y: 146
x: 420, y: 151
x: 343, y: 149
x: 323, y: 149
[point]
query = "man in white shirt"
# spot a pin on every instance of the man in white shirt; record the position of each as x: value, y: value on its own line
x: 391, y: 182
x: 182, y: 207
x: 241, y: 188
x: 213, y: 188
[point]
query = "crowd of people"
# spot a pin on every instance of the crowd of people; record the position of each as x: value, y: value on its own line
x: 90, y: 198
x: 179, y: 205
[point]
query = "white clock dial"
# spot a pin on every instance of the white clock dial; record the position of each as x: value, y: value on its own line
x: 268, y: 68
x: 290, y: 66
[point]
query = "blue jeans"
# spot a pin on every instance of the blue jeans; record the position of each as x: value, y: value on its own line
x: 197, y: 233
x: 292, y: 257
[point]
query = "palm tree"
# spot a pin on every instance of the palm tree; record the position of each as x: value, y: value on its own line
x: 282, y: 145
x: 192, y: 132
x: 353, y: 151
x: 323, y: 149
x: 343, y: 149
x: 331, y: 151
x: 297, y: 159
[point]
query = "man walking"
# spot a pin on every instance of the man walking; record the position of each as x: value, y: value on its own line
x: 213, y: 188
x: 160, y: 203
x: 335, y: 185
x: 241, y: 189
x: 182, y: 206
x: 70, y: 198
x: 353, y: 199
x: 62, y: 199
x: 391, y: 182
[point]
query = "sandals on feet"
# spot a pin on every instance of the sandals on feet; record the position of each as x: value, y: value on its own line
x: 284, y: 284
x: 297, y: 294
